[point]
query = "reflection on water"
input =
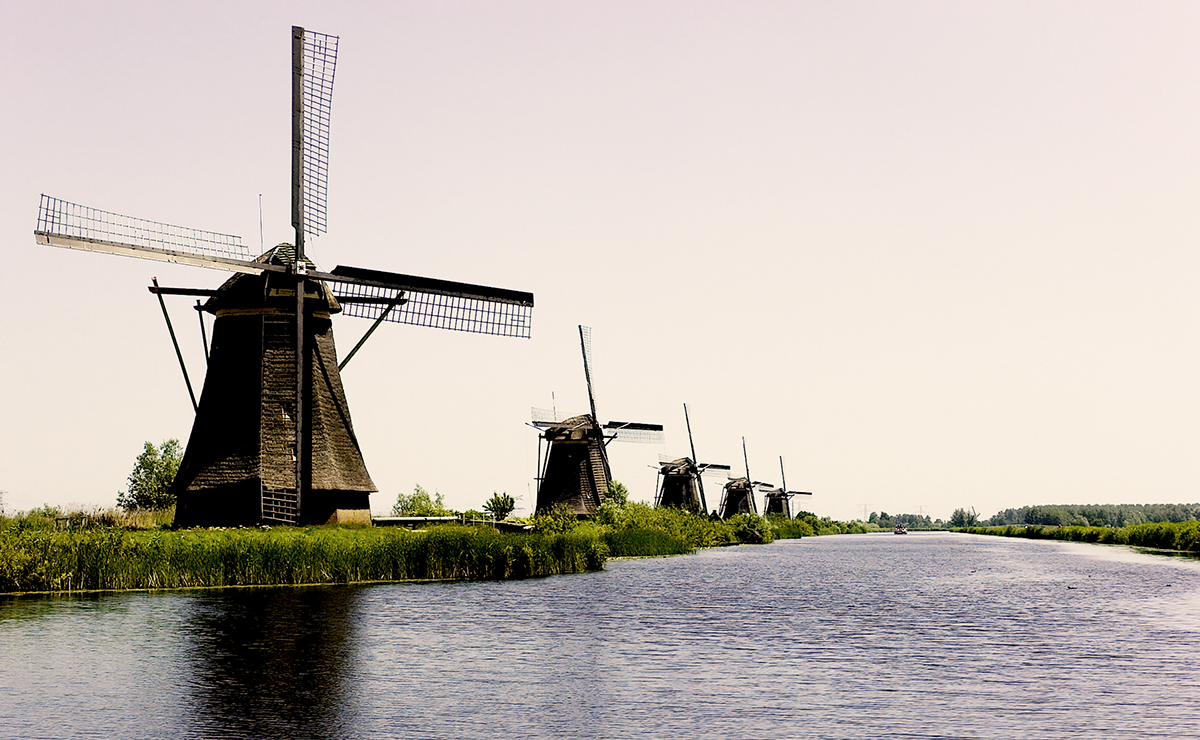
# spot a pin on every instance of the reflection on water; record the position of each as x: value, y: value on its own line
x: 929, y: 635
x: 268, y: 662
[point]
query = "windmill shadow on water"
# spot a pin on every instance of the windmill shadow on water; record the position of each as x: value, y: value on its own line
x: 272, y: 441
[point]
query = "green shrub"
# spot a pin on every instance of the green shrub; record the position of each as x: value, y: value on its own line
x: 557, y: 520
x: 790, y: 529
x: 751, y: 529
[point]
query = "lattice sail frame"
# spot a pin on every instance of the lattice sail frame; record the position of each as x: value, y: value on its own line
x: 320, y: 59
x: 57, y: 217
x: 439, y: 311
x: 623, y: 431
x: 546, y: 417
x: 585, y: 341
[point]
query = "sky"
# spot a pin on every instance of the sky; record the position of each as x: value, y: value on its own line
x: 932, y: 254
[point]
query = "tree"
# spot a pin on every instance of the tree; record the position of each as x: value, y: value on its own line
x: 500, y: 505
x: 963, y: 518
x: 617, y: 493
x: 420, y: 503
x: 152, y: 475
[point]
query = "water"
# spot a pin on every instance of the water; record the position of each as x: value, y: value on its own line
x: 862, y: 636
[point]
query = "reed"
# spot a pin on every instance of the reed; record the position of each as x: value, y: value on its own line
x: 45, y: 559
x: 635, y: 543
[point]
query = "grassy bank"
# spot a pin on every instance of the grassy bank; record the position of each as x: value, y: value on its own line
x: 1183, y: 536
x: 49, y: 559
x: 49, y: 550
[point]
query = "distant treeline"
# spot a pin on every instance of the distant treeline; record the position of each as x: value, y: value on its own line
x: 1096, y: 515
x: 885, y: 520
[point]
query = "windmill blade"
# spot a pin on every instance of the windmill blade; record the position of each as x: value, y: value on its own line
x: 585, y: 341
x: 628, y: 431
x: 318, y: 54
x: 69, y: 225
x: 799, y: 493
x: 545, y: 417
x: 441, y: 304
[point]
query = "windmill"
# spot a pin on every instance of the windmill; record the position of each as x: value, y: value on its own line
x: 576, y: 472
x: 682, y: 479
x: 779, y: 500
x: 272, y: 440
x: 738, y: 494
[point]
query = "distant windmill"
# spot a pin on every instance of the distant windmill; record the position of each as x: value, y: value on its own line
x: 576, y: 472
x: 272, y: 440
x: 682, y: 480
x: 779, y: 500
x: 738, y: 496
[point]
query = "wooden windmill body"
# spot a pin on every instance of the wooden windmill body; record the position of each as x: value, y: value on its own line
x: 576, y: 472
x: 241, y: 449
x: 272, y: 440
x: 681, y: 481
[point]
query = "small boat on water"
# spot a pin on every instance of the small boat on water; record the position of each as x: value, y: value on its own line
x: 899, y: 528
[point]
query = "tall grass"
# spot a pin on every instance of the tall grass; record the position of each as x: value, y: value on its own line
x: 1183, y: 536
x: 34, y: 559
x: 632, y: 543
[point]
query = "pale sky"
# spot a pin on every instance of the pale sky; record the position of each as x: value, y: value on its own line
x: 934, y: 254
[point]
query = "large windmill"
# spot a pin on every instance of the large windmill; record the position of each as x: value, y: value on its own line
x: 738, y: 494
x: 681, y: 483
x: 779, y: 500
x: 576, y: 472
x: 272, y: 441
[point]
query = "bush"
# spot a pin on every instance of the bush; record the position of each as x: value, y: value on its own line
x: 751, y: 529
x: 420, y: 503
x: 557, y: 520
x: 790, y: 529
x: 617, y: 493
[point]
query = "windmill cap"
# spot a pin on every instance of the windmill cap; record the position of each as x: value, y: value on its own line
x: 245, y: 292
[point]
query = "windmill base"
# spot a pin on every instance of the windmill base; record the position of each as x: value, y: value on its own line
x: 240, y: 505
x: 351, y: 516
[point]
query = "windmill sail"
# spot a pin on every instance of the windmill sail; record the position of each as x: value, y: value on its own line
x: 317, y: 56
x: 61, y: 223
x: 630, y: 431
x: 441, y: 304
